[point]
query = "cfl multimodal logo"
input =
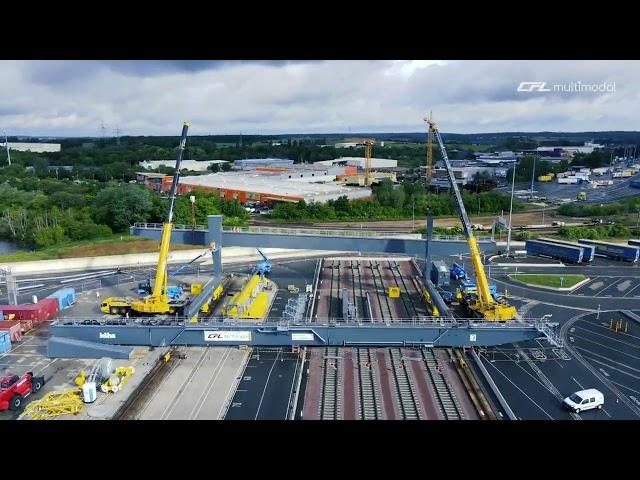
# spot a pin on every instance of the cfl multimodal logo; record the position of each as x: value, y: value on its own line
x: 571, y: 87
x: 533, y: 87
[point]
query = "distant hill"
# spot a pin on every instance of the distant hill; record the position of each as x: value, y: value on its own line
x: 578, y: 138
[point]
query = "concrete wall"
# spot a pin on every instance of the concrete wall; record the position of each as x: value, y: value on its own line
x: 230, y: 254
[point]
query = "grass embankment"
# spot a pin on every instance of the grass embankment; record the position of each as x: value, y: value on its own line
x: 548, y: 280
x: 116, y: 245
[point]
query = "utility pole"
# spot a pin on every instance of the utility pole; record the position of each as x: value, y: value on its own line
x: 6, y: 144
x: 117, y: 136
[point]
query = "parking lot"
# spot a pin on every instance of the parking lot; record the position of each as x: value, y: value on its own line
x: 614, y: 352
x: 610, y: 286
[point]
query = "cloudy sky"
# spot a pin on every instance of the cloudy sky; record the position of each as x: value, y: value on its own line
x: 73, y: 98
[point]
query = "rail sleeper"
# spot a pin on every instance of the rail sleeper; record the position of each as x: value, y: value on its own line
x: 370, y: 405
x: 406, y: 393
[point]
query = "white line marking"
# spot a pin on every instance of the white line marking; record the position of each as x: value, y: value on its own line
x: 266, y: 384
x: 581, y: 387
x: 521, y: 391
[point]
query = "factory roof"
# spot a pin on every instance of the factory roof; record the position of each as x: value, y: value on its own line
x: 194, y: 165
x: 270, y: 184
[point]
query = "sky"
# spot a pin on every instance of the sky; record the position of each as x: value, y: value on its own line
x: 74, y: 98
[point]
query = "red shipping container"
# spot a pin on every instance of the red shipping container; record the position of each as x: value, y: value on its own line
x: 20, y: 312
x: 50, y: 307
x: 13, y: 327
x: 26, y: 325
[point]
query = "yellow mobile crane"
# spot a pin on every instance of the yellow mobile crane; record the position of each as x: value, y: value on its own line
x: 158, y: 301
x: 481, y: 302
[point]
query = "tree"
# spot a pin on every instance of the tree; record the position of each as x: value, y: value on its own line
x: 121, y: 207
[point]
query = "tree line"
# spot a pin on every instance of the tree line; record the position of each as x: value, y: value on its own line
x: 409, y: 200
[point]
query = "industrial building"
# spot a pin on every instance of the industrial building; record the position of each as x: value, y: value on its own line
x: 359, y: 162
x: 251, y: 163
x: 193, y: 165
x: 260, y: 186
x: 33, y: 147
x: 564, y: 151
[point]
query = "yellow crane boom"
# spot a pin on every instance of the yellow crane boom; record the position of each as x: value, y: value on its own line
x: 158, y: 301
x: 484, y: 305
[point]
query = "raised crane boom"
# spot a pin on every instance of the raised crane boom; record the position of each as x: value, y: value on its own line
x: 158, y: 301
x: 485, y: 304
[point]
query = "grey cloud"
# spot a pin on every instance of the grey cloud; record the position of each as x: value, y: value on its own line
x: 152, y: 97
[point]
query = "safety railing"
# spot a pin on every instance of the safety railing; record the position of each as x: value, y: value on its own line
x: 322, y: 232
x: 431, y: 322
x: 158, y: 226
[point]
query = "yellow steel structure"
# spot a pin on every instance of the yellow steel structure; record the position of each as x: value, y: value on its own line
x: 429, y: 166
x: 251, y: 302
x: 367, y: 161
x: 53, y: 405
x: 481, y: 302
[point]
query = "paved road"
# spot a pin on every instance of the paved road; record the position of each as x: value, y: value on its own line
x: 267, y: 386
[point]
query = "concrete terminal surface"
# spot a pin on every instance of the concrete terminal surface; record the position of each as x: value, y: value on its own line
x: 198, y: 387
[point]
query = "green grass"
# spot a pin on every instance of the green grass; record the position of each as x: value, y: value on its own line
x: 548, y: 280
x: 114, y: 245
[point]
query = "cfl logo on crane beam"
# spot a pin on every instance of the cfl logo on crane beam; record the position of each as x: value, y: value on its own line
x: 533, y: 87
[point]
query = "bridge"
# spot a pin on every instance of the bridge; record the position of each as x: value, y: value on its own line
x: 364, y: 241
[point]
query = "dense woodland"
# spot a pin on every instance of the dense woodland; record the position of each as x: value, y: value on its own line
x: 45, y: 206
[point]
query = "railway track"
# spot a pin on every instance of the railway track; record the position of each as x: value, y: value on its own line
x: 405, y: 295
x: 369, y: 397
x: 479, y: 400
x: 446, y: 400
x: 405, y: 390
x: 358, y: 294
x: 330, y: 397
x: 383, y: 301
x: 334, y: 296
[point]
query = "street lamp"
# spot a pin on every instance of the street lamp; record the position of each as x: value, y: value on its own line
x: 513, y: 182
x: 533, y: 174
x: 598, y: 315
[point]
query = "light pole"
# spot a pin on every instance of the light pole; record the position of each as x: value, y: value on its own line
x: 513, y: 182
x: 598, y: 315
x: 413, y: 214
x: 533, y: 174
x: 545, y: 206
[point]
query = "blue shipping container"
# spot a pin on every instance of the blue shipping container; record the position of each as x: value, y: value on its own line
x: 629, y: 253
x: 5, y: 341
x: 65, y: 296
x: 564, y: 253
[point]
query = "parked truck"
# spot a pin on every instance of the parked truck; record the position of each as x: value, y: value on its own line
x: 564, y: 253
x: 615, y: 251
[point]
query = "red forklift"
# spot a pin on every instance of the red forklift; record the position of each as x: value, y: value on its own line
x: 14, y: 389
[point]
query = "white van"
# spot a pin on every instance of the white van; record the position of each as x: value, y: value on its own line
x: 584, y: 400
